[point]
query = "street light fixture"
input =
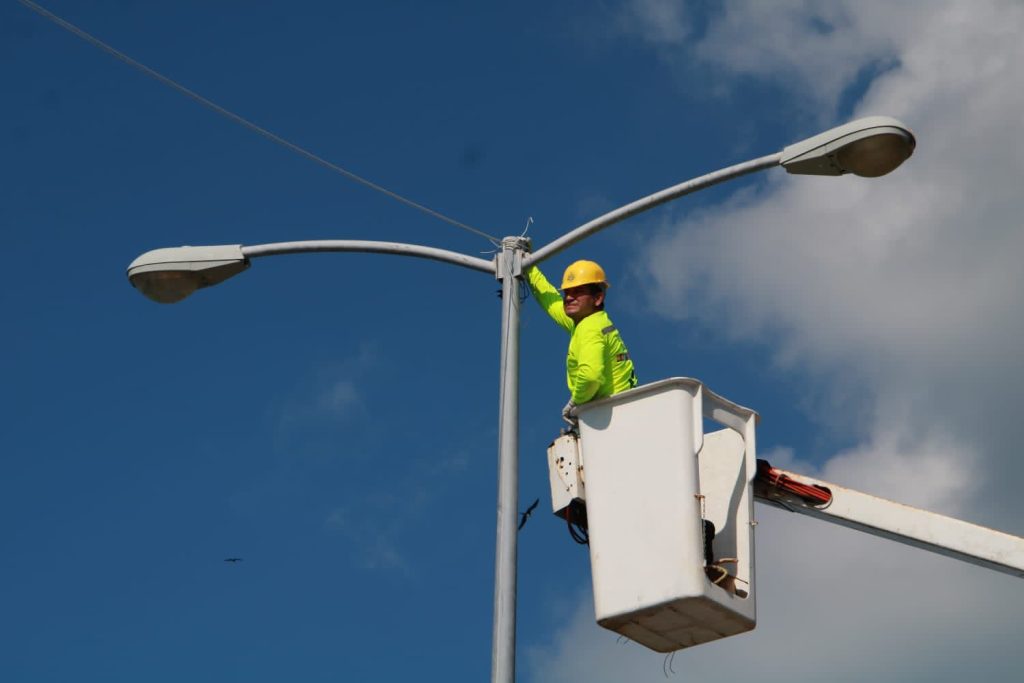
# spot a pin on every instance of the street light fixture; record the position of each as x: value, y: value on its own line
x: 169, y: 275
x: 868, y: 147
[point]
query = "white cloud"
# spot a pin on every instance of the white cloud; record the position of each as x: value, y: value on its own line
x: 903, y: 290
x: 659, y: 22
x: 378, y: 523
x: 930, y: 471
x: 899, y: 299
x: 374, y: 545
x: 818, y: 49
x: 332, y: 390
x: 340, y: 398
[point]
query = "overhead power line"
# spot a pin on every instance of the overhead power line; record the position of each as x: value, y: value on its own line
x: 89, y: 38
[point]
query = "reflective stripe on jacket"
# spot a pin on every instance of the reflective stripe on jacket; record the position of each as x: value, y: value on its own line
x: 598, y: 363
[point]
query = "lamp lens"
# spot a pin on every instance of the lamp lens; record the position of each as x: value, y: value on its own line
x: 166, y: 287
x: 874, y: 156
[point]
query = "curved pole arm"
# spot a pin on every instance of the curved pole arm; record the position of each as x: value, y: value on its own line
x: 649, y: 202
x: 399, y: 248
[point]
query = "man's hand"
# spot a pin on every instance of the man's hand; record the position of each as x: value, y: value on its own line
x: 567, y: 411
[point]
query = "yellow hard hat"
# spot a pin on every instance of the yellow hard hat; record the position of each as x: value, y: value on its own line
x: 583, y: 273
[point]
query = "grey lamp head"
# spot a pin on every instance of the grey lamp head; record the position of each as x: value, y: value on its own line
x: 169, y: 275
x: 868, y: 147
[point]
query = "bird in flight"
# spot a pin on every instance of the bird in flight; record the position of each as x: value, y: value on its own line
x: 232, y: 559
x: 526, y: 515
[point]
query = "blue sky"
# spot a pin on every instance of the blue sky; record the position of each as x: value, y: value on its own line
x: 332, y: 418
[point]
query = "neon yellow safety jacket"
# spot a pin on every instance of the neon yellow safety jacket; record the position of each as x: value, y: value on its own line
x: 598, y: 363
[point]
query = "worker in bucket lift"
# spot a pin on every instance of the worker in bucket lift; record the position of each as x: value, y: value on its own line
x: 597, y: 364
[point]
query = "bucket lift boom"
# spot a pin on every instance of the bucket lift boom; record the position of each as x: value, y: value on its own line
x: 937, y: 533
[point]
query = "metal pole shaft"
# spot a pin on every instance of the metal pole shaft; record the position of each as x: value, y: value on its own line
x: 503, y: 649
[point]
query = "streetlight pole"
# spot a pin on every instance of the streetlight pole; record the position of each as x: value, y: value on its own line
x: 508, y: 264
x: 868, y: 147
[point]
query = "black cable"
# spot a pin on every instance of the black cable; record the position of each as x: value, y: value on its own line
x: 89, y: 38
x: 578, y: 527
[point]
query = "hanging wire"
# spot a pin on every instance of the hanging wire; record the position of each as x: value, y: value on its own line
x: 89, y: 38
x: 529, y: 221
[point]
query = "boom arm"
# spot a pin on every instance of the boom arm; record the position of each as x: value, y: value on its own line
x: 880, y: 517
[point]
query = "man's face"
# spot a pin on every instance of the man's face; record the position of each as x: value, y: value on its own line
x: 579, y: 302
